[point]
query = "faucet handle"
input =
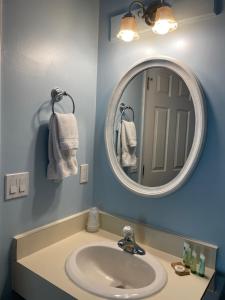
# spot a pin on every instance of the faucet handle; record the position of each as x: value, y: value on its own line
x: 128, y: 232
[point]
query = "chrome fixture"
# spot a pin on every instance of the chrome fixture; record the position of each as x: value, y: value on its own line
x: 57, y: 95
x: 158, y: 15
x: 128, y: 243
x: 123, y: 108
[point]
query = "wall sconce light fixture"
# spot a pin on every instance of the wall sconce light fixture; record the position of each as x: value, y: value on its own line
x: 158, y: 15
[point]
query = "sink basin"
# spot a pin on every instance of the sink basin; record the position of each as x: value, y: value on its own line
x: 107, y: 271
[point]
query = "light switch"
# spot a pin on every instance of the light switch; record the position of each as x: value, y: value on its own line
x: 13, y: 188
x: 22, y: 186
x: 84, y: 173
x: 16, y: 185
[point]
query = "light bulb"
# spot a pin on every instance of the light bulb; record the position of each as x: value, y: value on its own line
x: 164, y: 21
x: 127, y: 35
x: 161, y: 27
x: 128, y: 29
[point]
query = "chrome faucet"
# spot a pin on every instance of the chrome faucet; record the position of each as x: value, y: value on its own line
x: 128, y: 243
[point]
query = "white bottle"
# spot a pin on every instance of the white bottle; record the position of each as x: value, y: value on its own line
x: 93, y: 220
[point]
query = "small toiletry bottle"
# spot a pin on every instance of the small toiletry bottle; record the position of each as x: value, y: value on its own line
x: 201, y: 269
x: 187, y: 255
x: 188, y: 262
x: 93, y: 220
x: 185, y: 252
x: 194, y: 262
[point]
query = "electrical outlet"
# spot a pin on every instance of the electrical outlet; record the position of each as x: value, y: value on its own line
x: 84, y: 173
x: 16, y: 185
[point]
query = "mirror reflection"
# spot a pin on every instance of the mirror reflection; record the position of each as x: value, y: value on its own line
x: 154, y: 127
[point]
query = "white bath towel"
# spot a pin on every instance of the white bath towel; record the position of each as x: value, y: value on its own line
x: 62, y: 146
x: 128, y: 144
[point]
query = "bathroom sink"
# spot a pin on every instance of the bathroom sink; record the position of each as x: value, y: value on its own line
x: 107, y: 271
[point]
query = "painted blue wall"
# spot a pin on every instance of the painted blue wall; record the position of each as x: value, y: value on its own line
x: 53, y: 42
x: 198, y: 208
x: 46, y: 43
x: 1, y: 174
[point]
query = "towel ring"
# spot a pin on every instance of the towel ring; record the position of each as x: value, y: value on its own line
x: 57, y: 95
x: 123, y: 108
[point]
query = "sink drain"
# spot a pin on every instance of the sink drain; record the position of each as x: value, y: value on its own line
x: 120, y: 286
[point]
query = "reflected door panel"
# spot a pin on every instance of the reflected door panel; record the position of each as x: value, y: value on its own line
x: 169, y: 123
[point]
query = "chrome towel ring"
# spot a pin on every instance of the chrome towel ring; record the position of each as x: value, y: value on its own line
x: 123, y: 108
x: 57, y: 95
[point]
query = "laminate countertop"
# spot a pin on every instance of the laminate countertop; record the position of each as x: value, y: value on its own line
x: 42, y: 273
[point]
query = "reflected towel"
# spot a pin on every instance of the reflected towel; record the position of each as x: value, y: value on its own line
x: 62, y: 146
x: 118, y: 142
x: 128, y: 144
x: 130, y: 133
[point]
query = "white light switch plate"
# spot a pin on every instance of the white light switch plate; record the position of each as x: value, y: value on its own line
x: 16, y: 185
x: 84, y: 173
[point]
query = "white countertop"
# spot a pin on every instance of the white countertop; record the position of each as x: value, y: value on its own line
x: 49, y: 263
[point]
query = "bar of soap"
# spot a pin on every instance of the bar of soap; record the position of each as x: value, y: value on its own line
x: 180, y: 269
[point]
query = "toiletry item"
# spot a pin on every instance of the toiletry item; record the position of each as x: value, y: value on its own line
x: 185, y: 252
x: 188, y: 261
x: 187, y: 255
x: 194, y: 262
x: 180, y: 269
x: 93, y: 220
x: 201, y: 268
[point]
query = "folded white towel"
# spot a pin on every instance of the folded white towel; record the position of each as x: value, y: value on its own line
x: 130, y: 133
x: 128, y: 144
x: 67, y: 131
x: 62, y: 145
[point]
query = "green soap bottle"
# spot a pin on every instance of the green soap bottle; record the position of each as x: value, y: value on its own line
x: 188, y: 262
x: 185, y: 252
x: 194, y: 262
x: 187, y: 255
x: 201, y: 270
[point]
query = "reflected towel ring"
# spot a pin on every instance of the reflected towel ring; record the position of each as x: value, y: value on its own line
x: 57, y: 95
x: 123, y: 108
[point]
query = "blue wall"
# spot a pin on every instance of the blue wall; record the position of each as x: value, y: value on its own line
x: 1, y: 175
x: 46, y: 43
x: 54, y: 42
x: 198, y: 208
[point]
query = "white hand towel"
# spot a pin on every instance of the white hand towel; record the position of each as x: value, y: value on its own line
x: 128, y: 136
x: 67, y: 131
x: 62, y: 146
x: 130, y: 133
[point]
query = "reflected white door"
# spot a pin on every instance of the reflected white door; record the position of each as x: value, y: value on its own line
x: 169, y: 124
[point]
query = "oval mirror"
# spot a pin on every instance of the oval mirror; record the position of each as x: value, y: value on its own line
x: 155, y: 127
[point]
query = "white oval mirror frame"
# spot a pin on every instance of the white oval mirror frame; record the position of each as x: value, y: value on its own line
x: 199, y: 133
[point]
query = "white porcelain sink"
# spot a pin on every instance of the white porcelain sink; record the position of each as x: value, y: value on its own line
x: 107, y: 271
